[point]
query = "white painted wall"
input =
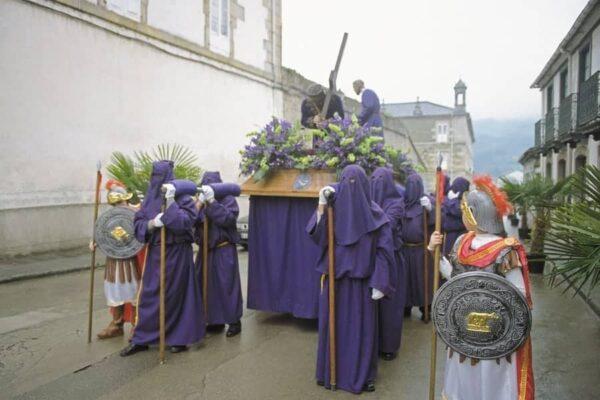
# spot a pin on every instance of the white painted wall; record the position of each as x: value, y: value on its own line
x: 183, y: 18
x: 73, y: 93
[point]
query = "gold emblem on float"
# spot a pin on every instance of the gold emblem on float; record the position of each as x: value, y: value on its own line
x: 119, y: 234
x: 479, y: 322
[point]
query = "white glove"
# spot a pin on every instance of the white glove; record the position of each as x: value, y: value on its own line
x: 426, y: 202
x: 209, y: 193
x: 202, y: 198
x: 376, y: 294
x: 169, y: 190
x: 452, y: 195
x: 157, y: 222
x: 446, y: 268
x: 324, y: 194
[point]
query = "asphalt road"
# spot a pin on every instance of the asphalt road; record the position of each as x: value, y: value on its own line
x: 44, y: 354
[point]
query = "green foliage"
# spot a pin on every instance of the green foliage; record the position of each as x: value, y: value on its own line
x: 135, y: 171
x: 573, y: 243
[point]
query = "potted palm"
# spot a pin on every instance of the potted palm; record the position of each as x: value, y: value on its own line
x: 537, y: 196
x: 573, y: 243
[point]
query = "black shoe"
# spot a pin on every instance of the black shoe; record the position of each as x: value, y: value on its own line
x: 320, y: 383
x: 215, y: 328
x: 407, y: 312
x: 132, y: 348
x: 178, y: 349
x: 234, y: 329
x: 422, y: 309
x: 369, y: 387
x: 388, y: 356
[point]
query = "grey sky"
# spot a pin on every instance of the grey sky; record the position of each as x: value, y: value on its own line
x: 403, y: 49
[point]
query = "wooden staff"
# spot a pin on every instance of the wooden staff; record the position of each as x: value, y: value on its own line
x: 163, y: 276
x: 425, y: 268
x: 436, y: 274
x: 93, y: 266
x: 331, y: 272
x: 205, y: 265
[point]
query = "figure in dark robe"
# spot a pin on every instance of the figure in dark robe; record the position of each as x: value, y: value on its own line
x: 452, y: 223
x: 385, y: 193
x: 184, y: 322
x: 224, y: 288
x: 417, y: 217
x: 370, y: 108
x: 364, y: 256
x: 313, y: 104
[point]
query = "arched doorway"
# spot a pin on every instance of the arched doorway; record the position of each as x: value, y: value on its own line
x: 580, y: 162
x: 549, y: 170
x: 562, y: 169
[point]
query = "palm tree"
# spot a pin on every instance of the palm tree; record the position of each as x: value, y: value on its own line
x: 135, y: 171
x: 573, y: 243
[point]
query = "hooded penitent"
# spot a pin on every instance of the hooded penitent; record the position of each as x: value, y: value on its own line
x: 386, y: 195
x: 224, y: 300
x: 364, y: 255
x: 452, y: 224
x: 183, y: 303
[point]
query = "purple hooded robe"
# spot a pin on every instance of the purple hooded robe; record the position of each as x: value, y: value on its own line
x: 415, y: 242
x: 224, y: 288
x: 385, y: 193
x: 364, y: 254
x: 184, y: 323
x: 452, y: 224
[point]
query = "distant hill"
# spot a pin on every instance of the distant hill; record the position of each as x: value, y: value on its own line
x: 499, y: 143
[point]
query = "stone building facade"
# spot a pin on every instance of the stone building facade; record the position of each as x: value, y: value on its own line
x: 436, y: 129
x: 81, y: 79
x: 567, y: 137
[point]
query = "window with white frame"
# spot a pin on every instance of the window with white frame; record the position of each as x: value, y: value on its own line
x: 441, y: 132
x: 219, y: 26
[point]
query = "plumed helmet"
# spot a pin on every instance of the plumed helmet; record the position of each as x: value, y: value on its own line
x: 116, y: 192
x: 485, y: 206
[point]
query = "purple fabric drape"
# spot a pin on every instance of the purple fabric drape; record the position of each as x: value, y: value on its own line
x: 370, y: 110
x: 281, y: 257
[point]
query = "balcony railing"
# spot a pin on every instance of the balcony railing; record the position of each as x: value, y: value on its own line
x: 587, y: 103
x: 551, y: 126
x: 538, y: 134
x: 567, y: 115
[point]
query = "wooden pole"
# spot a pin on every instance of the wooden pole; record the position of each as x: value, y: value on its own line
x: 331, y: 273
x: 436, y: 280
x: 93, y: 261
x: 205, y: 266
x: 425, y: 268
x: 333, y: 77
x: 163, y: 276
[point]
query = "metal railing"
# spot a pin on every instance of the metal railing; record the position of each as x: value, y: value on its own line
x: 567, y: 115
x: 538, y: 134
x: 550, y: 120
x: 587, y: 104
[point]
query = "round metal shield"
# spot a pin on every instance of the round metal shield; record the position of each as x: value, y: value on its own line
x: 481, y: 315
x: 115, y: 233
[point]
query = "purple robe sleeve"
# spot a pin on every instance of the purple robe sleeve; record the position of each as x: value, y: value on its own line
x: 384, y: 261
x: 140, y: 223
x: 180, y: 216
x: 369, y: 105
x: 318, y: 231
x: 223, y: 213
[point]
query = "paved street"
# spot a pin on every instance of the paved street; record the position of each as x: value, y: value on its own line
x: 44, y: 354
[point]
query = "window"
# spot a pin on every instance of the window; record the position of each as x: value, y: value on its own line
x: 585, y: 63
x: 219, y: 26
x: 441, y: 132
x: 549, y: 98
x: 128, y: 8
x: 564, y: 74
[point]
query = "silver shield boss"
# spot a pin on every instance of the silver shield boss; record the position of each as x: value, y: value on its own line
x: 481, y: 315
x: 115, y: 233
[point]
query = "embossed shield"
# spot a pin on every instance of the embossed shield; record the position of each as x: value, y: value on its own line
x: 115, y: 234
x: 481, y: 315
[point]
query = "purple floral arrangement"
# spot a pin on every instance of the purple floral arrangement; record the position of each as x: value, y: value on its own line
x: 337, y: 143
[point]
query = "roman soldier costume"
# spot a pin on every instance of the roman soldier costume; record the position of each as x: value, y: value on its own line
x: 505, y: 375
